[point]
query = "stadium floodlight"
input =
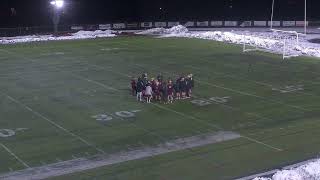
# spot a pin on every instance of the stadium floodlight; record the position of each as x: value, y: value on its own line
x: 57, y: 6
x: 57, y: 3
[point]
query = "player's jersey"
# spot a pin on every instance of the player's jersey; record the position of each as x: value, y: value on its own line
x: 170, y: 89
x: 133, y: 84
x: 148, y: 91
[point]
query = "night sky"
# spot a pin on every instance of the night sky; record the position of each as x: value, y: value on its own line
x: 14, y: 13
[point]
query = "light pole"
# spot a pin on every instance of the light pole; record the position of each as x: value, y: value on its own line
x: 57, y: 6
x: 305, y: 16
x: 272, y: 12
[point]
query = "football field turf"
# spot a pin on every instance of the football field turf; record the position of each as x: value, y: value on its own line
x: 70, y: 99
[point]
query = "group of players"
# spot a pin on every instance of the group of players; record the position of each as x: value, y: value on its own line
x: 157, y: 89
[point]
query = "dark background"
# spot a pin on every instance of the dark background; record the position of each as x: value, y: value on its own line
x: 16, y: 13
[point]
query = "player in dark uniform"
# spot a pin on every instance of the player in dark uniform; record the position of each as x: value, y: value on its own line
x: 156, y: 91
x: 177, y: 89
x: 183, y: 87
x: 191, y: 82
x: 133, y: 87
x: 164, y: 92
x: 140, y: 89
x: 170, y: 92
x: 188, y: 86
x: 160, y: 78
x: 145, y: 78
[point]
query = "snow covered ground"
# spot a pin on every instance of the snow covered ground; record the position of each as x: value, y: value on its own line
x: 309, y: 171
x: 268, y: 40
x: 36, y: 38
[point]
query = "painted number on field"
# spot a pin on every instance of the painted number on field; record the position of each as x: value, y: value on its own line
x: 206, y: 102
x: 289, y: 89
x: 200, y: 102
x: 120, y: 114
x: 102, y: 117
x: 4, y: 133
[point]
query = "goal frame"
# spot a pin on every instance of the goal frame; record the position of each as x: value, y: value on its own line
x: 284, y: 41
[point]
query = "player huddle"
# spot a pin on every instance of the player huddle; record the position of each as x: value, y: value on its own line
x: 156, y: 89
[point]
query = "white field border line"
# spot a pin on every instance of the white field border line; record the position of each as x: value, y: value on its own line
x: 212, y: 125
x: 15, y: 156
x: 249, y: 80
x: 82, y: 164
x: 53, y: 123
x: 241, y: 92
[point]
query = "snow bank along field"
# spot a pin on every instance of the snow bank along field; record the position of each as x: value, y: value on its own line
x: 66, y: 111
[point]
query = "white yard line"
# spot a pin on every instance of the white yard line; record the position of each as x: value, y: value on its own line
x: 259, y: 142
x: 52, y: 122
x: 95, y: 82
x: 15, y: 156
x: 188, y: 116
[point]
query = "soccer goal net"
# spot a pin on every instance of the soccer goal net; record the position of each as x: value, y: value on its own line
x: 281, y: 42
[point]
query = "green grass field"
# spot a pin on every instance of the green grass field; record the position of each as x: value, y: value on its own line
x: 52, y: 93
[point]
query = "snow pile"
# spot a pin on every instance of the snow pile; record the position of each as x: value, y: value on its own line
x: 310, y: 171
x: 176, y: 30
x: 78, y: 35
x: 270, y: 41
x: 94, y: 34
x: 154, y: 31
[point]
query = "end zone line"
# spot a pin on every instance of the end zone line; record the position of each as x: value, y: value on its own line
x: 53, y: 123
x: 15, y: 156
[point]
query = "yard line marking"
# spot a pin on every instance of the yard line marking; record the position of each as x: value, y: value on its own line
x: 259, y: 142
x: 187, y: 116
x: 53, y: 123
x: 15, y: 156
x: 95, y: 82
x: 109, y: 69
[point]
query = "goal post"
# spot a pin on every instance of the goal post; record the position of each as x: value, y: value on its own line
x: 285, y: 42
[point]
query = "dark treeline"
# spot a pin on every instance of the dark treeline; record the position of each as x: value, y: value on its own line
x: 14, y: 13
